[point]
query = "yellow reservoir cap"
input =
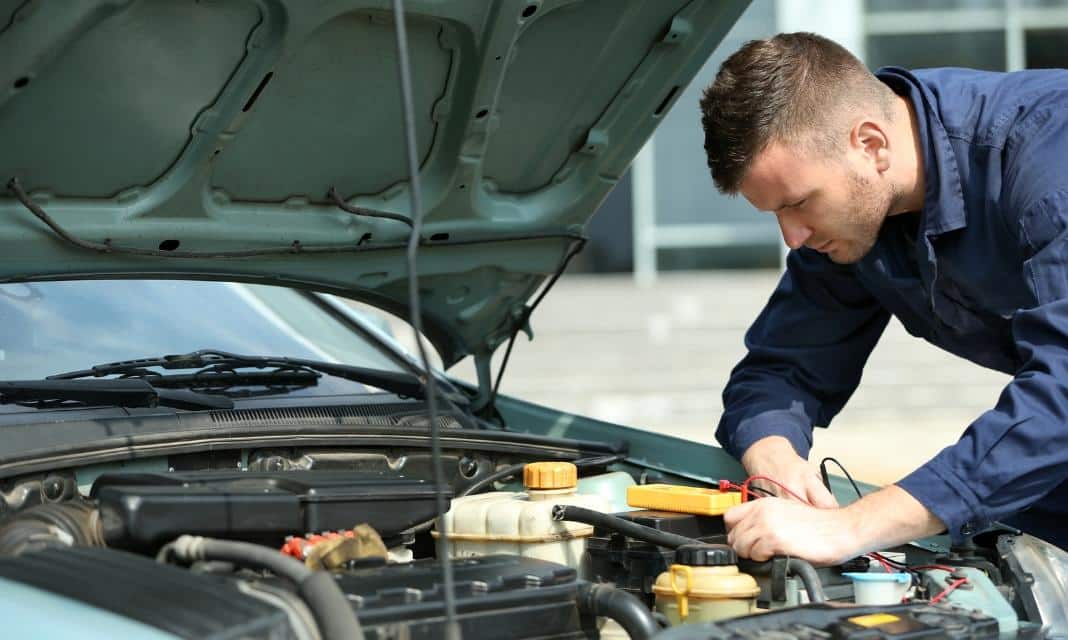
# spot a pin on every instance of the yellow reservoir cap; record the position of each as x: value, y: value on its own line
x: 550, y: 475
x: 680, y: 499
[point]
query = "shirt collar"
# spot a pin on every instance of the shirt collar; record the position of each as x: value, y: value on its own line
x: 943, y: 201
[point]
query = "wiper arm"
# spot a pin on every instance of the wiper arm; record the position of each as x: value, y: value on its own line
x: 234, y: 384
x: 399, y: 383
x: 129, y: 393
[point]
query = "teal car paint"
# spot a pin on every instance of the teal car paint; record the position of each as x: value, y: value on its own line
x: 217, y: 129
x: 56, y: 617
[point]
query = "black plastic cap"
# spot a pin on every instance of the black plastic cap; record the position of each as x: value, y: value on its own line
x: 705, y: 555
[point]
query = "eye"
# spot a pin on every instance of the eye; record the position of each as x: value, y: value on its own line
x: 799, y: 204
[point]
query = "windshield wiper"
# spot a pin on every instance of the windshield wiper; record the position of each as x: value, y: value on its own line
x: 214, y: 362
x: 234, y: 384
x: 124, y: 392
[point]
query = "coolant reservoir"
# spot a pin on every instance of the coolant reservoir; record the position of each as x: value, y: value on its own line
x: 703, y: 585
x: 521, y: 523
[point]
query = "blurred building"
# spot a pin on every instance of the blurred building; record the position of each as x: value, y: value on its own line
x: 665, y: 215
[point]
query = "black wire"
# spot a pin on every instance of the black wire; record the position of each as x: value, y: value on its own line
x: 294, y: 248
x: 362, y: 211
x: 516, y: 469
x: 827, y: 479
x: 509, y: 471
x: 766, y: 492
x: 573, y: 251
x: 452, y: 628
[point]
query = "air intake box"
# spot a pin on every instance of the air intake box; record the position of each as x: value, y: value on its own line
x: 146, y: 510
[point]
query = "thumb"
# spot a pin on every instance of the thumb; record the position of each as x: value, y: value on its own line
x: 818, y: 494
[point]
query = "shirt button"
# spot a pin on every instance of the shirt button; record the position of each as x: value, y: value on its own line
x: 967, y: 529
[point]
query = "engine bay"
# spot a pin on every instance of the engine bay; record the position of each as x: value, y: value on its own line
x: 235, y: 544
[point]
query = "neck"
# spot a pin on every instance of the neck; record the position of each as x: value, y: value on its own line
x: 911, y: 187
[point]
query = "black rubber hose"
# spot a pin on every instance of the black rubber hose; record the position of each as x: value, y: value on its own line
x: 517, y: 469
x: 802, y: 569
x: 488, y: 481
x: 61, y: 524
x: 619, y: 525
x: 626, y: 609
x: 336, y: 619
x: 332, y: 611
x: 809, y: 577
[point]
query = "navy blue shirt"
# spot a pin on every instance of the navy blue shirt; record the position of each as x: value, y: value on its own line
x: 982, y: 272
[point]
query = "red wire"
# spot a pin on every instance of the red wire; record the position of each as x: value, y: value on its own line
x: 726, y: 484
x: 881, y: 560
x: 953, y: 585
x: 745, y: 488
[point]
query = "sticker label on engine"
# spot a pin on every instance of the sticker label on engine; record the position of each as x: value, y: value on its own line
x: 874, y: 619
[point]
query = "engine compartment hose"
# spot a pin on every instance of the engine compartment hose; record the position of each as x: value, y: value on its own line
x: 626, y: 609
x: 320, y: 591
x: 809, y: 577
x: 333, y: 612
x: 802, y: 569
x: 569, y: 513
x: 60, y: 524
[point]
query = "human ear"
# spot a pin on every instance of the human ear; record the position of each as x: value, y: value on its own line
x: 871, y: 140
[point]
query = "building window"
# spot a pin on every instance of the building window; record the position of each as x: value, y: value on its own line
x: 1046, y: 48
x: 996, y: 35
x: 975, y: 49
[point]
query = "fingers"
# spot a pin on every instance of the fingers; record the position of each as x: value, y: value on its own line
x: 818, y: 495
x: 747, y: 531
x: 736, y: 514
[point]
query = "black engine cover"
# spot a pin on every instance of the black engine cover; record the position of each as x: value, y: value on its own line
x: 146, y: 510
x: 497, y: 598
x: 918, y: 621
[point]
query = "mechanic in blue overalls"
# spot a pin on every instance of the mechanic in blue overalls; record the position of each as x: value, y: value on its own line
x: 938, y: 196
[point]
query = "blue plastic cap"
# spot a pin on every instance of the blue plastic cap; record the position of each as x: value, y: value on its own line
x: 878, y: 577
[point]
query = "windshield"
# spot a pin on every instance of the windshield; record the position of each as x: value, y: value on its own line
x: 52, y: 327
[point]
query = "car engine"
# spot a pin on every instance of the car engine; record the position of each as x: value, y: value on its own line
x: 308, y: 549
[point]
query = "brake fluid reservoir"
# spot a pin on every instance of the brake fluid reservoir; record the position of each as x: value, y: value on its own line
x: 703, y: 585
x: 521, y: 523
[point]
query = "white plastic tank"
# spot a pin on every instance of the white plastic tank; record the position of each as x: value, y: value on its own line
x: 521, y: 523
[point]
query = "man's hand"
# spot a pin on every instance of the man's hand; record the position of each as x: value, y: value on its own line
x: 760, y: 529
x: 775, y: 458
x: 768, y: 527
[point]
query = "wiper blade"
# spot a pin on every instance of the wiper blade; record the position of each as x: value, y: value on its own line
x: 400, y: 383
x: 129, y: 393
x: 234, y: 384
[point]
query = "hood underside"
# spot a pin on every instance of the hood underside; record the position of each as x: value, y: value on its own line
x: 201, y: 140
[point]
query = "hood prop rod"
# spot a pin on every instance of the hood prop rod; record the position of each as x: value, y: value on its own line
x: 486, y: 407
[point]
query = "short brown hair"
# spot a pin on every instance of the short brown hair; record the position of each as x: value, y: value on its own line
x: 789, y: 87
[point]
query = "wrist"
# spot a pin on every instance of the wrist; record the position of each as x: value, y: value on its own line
x: 852, y: 538
x: 769, y: 448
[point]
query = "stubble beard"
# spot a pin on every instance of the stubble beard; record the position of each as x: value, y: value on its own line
x: 871, y: 207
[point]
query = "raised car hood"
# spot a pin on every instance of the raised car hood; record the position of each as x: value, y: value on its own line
x: 207, y: 135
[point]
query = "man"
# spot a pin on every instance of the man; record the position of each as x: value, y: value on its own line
x: 940, y: 197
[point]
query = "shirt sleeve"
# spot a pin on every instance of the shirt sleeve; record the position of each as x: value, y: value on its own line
x: 806, y: 352
x: 1017, y: 452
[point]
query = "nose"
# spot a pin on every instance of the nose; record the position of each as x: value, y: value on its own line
x: 794, y: 234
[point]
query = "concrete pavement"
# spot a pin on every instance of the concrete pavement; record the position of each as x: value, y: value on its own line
x: 658, y: 358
